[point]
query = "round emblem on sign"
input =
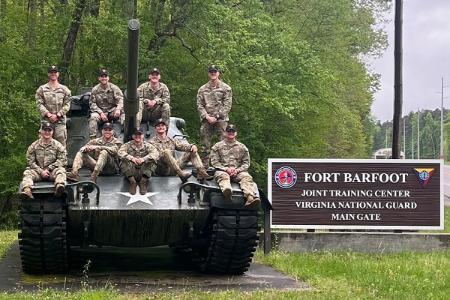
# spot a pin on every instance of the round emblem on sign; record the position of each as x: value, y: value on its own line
x: 424, y: 175
x: 285, y: 177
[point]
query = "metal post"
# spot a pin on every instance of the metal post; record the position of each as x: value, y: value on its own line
x: 404, y: 138
x: 398, y: 86
x: 441, y: 156
x: 418, y: 134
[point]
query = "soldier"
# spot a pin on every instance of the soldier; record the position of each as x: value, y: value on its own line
x: 154, y: 99
x: 232, y: 160
x: 106, y: 103
x: 46, y: 158
x: 99, y: 155
x: 53, y: 102
x: 213, y: 103
x: 167, y: 164
x: 138, y: 161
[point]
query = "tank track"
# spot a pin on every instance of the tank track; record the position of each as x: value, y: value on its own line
x: 42, y: 236
x: 233, y: 240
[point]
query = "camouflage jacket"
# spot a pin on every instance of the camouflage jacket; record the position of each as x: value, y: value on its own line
x: 41, y: 156
x: 161, y: 95
x: 112, y: 146
x: 146, y: 150
x: 235, y: 154
x: 106, y: 100
x: 53, y: 100
x: 170, y: 143
x: 214, y: 101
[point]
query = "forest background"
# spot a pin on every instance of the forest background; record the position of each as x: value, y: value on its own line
x: 301, y: 87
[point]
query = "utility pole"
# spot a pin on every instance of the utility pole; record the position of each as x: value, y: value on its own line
x: 398, y: 85
x: 418, y: 133
x: 404, y: 137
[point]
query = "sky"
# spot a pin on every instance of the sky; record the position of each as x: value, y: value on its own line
x: 426, y: 59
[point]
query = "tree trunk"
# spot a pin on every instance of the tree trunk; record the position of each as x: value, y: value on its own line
x: 69, y: 45
x: 31, y: 35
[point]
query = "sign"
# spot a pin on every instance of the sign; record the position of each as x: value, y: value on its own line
x: 356, y: 194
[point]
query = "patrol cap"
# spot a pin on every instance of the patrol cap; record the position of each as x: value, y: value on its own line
x: 213, y: 68
x: 107, y: 126
x: 160, y: 121
x: 231, y: 128
x: 154, y: 70
x: 103, y: 72
x: 138, y: 131
x: 52, y: 68
x: 47, y: 125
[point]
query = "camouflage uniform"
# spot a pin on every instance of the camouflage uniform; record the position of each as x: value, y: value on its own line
x: 146, y: 151
x: 235, y: 154
x: 161, y: 108
x: 101, y: 160
x: 214, y: 101
x: 106, y: 101
x: 41, y: 156
x: 167, y: 164
x: 54, y: 101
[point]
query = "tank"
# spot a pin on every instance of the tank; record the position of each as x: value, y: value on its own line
x: 56, y: 232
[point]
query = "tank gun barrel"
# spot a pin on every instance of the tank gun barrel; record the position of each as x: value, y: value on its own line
x: 131, y: 104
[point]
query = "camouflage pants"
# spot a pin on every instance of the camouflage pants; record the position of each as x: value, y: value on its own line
x: 95, y: 119
x: 60, y: 133
x: 99, y: 161
x: 244, y: 179
x: 207, y: 132
x: 129, y: 169
x: 158, y: 111
x: 169, y: 166
x: 30, y: 176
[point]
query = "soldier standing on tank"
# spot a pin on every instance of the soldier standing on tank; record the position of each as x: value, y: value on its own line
x: 53, y: 102
x: 106, y: 103
x: 154, y: 99
x: 232, y: 160
x: 99, y: 155
x: 167, y: 164
x: 46, y: 159
x: 214, y: 101
x: 138, y: 161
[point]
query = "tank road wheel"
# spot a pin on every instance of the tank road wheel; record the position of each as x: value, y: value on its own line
x: 232, y: 241
x: 42, y: 236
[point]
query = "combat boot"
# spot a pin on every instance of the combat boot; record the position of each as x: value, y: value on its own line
x: 94, y: 176
x: 143, y: 185
x: 184, y: 176
x: 252, y: 201
x: 203, y: 175
x: 59, y: 190
x: 227, y: 192
x: 26, y: 194
x: 73, y: 176
x: 133, y: 185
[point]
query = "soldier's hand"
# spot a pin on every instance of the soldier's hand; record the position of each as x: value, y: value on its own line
x: 45, y: 173
x: 53, y: 118
x: 211, y: 120
x: 103, y: 117
x: 151, y: 103
x: 116, y: 113
x: 194, y: 149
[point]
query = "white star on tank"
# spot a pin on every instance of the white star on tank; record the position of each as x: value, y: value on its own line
x: 138, y: 197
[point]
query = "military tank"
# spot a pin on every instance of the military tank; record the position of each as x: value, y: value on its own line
x: 191, y: 217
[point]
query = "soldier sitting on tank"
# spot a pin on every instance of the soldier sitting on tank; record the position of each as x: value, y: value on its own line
x: 167, y: 164
x: 46, y: 158
x: 154, y: 99
x: 138, y: 161
x: 232, y: 160
x: 106, y: 103
x: 99, y: 155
